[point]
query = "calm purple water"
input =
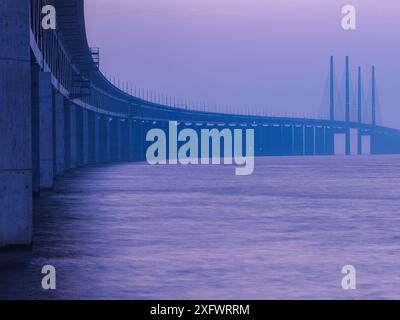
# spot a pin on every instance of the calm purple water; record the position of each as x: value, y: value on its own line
x: 132, y: 231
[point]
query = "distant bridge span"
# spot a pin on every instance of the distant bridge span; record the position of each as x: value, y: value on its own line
x: 59, y: 112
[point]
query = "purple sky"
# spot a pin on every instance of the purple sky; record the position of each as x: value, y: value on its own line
x: 259, y: 54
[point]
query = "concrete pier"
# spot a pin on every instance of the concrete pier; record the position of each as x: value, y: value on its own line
x: 309, y: 140
x: 136, y: 135
x: 320, y: 141
x: 105, y: 138
x: 298, y: 144
x: 73, y: 139
x: 91, y: 137
x: 126, y: 134
x: 108, y: 140
x: 85, y: 136
x: 59, y: 134
x: 114, y: 135
x: 46, y: 130
x: 15, y: 125
x: 35, y: 70
x: 67, y: 135
x: 287, y: 140
x: 329, y: 141
x: 120, y: 124
x: 79, y: 136
x: 96, y: 141
x: 129, y: 140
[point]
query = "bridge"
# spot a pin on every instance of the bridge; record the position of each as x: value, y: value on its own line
x: 59, y: 112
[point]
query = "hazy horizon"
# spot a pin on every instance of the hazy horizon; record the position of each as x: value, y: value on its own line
x: 271, y: 55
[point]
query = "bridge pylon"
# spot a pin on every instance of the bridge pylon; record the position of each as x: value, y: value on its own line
x: 348, y: 142
x: 373, y: 102
x: 15, y: 124
x: 359, y: 111
x: 332, y: 91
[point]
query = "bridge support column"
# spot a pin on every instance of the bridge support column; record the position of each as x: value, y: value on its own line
x: 114, y: 138
x: 359, y: 142
x: 348, y: 142
x: 287, y: 140
x: 46, y: 130
x: 102, y: 151
x: 85, y: 136
x: 264, y: 138
x: 96, y: 141
x: 15, y: 125
x: 298, y: 141
x: 73, y: 135
x: 59, y: 134
x: 139, y: 140
x: 108, y: 139
x: 79, y: 136
x: 258, y: 140
x: 105, y: 139
x: 320, y: 141
x: 146, y: 127
x: 329, y: 141
x: 91, y: 137
x: 135, y: 139
x: 275, y: 140
x: 67, y: 135
x: 119, y: 144
x: 35, y: 70
x: 130, y: 140
x: 126, y: 139
x: 143, y: 145
x: 309, y: 141
x: 374, y: 147
x: 261, y: 136
x: 268, y: 140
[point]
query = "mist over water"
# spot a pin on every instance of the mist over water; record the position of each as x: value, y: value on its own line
x: 133, y: 231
